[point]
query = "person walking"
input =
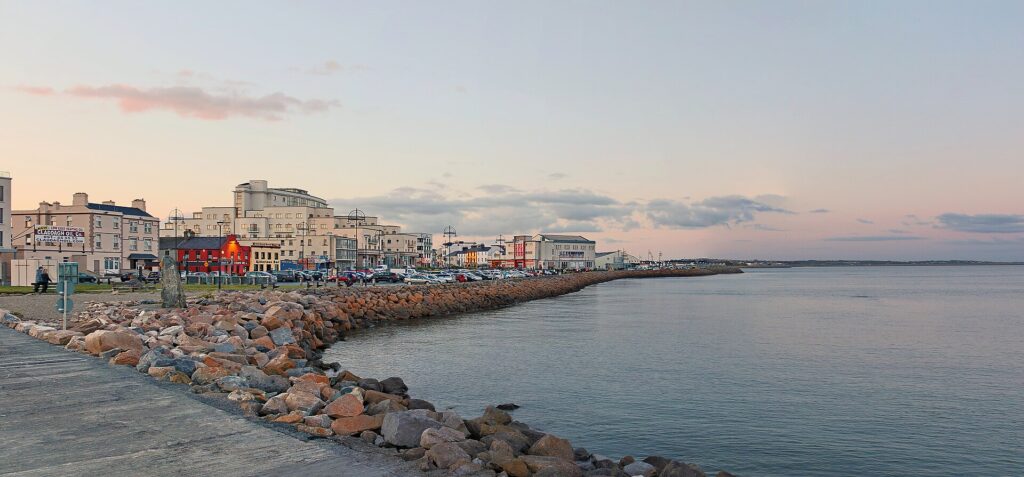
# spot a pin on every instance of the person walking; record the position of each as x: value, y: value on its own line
x: 38, y: 281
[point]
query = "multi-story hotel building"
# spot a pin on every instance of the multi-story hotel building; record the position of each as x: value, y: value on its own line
x: 548, y: 251
x: 116, y: 237
x: 302, y: 224
x: 6, y: 237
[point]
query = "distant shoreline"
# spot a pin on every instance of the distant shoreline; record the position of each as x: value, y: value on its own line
x: 855, y: 263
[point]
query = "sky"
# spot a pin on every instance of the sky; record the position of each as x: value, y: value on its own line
x: 771, y: 130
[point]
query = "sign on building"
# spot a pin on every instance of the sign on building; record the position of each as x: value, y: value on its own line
x: 55, y: 234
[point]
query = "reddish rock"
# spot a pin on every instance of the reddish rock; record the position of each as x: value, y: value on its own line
x: 561, y: 467
x: 279, y: 365
x: 159, y: 371
x: 126, y: 358
x: 347, y: 426
x: 552, y: 446
x: 374, y: 397
x: 103, y: 340
x: 346, y: 406
x: 305, y: 402
x: 290, y: 418
x: 316, y: 431
x: 207, y: 375
x: 265, y: 342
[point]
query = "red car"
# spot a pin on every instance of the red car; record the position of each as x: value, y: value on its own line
x: 461, y: 277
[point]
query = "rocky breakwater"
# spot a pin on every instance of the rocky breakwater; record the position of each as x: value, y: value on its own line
x: 262, y: 351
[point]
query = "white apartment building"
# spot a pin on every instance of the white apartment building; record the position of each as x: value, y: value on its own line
x: 6, y: 236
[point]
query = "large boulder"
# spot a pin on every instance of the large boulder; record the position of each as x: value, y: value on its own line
x: 553, y: 446
x: 640, y: 468
x: 346, y: 426
x: 551, y: 465
x: 432, y: 437
x: 282, y: 336
x: 447, y: 455
x: 275, y: 405
x: 104, y: 340
x: 279, y: 365
x: 676, y: 468
x: 304, y: 402
x: 394, y: 385
x: 263, y: 381
x: 403, y: 429
x: 346, y: 406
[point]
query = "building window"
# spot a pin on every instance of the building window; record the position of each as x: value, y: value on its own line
x: 133, y: 226
x: 133, y: 244
x: 116, y: 221
x: 117, y: 242
x: 97, y: 241
x: 111, y: 263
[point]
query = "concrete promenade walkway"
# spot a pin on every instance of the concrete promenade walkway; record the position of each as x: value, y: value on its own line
x: 63, y: 413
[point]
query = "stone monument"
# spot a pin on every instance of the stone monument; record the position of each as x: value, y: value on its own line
x: 173, y: 295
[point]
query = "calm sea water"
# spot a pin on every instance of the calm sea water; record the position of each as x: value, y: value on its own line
x: 818, y: 372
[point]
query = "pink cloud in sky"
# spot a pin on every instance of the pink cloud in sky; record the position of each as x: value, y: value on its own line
x: 36, y: 90
x: 194, y: 102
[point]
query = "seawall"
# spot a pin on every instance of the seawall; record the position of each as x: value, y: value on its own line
x: 261, y: 349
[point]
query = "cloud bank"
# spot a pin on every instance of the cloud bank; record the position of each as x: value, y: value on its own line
x: 194, y: 102
x: 982, y: 223
x: 500, y: 209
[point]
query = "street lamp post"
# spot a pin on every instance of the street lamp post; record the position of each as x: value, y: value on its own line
x: 356, y: 216
x: 220, y: 253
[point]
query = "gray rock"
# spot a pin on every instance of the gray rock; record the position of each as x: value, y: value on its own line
x: 256, y: 378
x: 151, y: 357
x: 231, y: 383
x: 369, y: 383
x: 640, y: 468
x: 282, y: 336
x: 110, y: 353
x: 403, y: 429
x: 394, y: 385
x: 420, y: 404
x: 185, y: 365
x: 225, y: 348
x: 676, y: 468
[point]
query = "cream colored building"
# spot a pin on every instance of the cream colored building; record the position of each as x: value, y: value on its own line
x: 117, y: 237
x: 302, y: 224
x: 264, y: 255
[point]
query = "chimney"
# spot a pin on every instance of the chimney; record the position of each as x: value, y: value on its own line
x: 108, y: 202
x: 139, y: 204
x: 80, y: 198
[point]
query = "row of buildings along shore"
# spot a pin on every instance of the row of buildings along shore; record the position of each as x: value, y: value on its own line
x: 263, y: 229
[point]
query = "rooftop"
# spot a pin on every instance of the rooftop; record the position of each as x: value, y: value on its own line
x: 118, y: 208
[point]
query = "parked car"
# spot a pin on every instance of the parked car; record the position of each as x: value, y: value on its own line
x: 258, y: 278
x: 420, y: 279
x: 389, y: 277
x: 152, y: 277
x: 284, y: 276
x: 86, y: 278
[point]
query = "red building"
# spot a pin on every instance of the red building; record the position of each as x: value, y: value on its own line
x: 210, y: 254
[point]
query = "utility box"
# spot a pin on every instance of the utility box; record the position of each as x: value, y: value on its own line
x: 67, y: 272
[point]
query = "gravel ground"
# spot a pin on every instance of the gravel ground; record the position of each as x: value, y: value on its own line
x: 43, y: 307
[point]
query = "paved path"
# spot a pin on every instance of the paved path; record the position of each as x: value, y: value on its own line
x: 63, y: 413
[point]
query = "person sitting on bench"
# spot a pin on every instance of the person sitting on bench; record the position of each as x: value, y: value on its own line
x: 42, y: 280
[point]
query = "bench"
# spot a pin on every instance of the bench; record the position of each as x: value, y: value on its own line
x: 132, y: 285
